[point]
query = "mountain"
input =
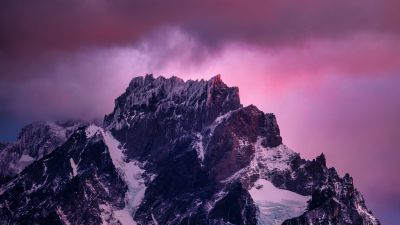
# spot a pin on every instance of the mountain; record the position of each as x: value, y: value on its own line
x: 34, y: 141
x: 180, y: 152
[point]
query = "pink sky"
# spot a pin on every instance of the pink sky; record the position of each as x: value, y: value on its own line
x: 329, y: 70
x: 340, y: 98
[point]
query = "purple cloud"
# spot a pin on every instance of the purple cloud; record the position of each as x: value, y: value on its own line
x: 329, y: 69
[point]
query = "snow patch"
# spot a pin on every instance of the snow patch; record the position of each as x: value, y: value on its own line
x: 132, y: 175
x: 219, y: 120
x: 265, y: 162
x: 276, y: 158
x: 129, y: 171
x: 91, y: 130
x: 101, y: 183
x: 90, y: 186
x: 44, y: 168
x: 62, y: 216
x: 243, y: 142
x: 23, y: 162
x: 73, y: 166
x: 223, y: 117
x: 199, y: 146
x: 154, y: 219
x: 216, y: 198
x: 124, y: 217
x: 107, y: 216
x: 276, y: 205
x: 26, y: 159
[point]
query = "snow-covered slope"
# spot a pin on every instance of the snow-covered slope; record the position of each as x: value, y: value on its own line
x: 131, y: 174
x: 276, y: 205
x: 87, y: 179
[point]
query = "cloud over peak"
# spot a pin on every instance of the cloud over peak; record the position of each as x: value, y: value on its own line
x: 35, y: 27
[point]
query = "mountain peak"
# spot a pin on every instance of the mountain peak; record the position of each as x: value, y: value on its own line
x: 174, y: 97
x: 35, y: 141
x: 216, y: 80
x: 173, y: 152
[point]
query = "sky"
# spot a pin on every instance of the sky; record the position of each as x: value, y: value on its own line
x: 329, y: 70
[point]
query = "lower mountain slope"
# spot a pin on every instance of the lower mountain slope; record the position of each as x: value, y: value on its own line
x: 35, y: 141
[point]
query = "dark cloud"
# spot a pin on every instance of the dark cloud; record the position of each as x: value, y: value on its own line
x: 33, y: 27
x: 68, y: 48
x: 64, y: 46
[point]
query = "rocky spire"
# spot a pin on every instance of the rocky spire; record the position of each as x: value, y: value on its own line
x: 201, y: 99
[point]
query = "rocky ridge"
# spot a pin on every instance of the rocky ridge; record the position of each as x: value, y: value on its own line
x: 180, y: 152
x: 34, y: 141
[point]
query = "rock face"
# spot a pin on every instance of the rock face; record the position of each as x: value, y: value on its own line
x: 34, y: 141
x: 176, y: 152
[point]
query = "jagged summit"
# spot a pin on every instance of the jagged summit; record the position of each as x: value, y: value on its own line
x: 175, y: 152
x: 217, y: 80
x: 177, y: 90
x: 174, y: 98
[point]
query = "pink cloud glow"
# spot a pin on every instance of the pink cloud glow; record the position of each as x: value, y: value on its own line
x: 329, y: 70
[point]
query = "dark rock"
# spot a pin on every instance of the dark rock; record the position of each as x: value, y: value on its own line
x: 35, y: 141
x: 200, y: 152
x: 47, y: 189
